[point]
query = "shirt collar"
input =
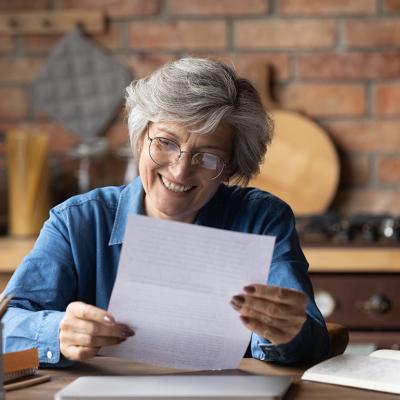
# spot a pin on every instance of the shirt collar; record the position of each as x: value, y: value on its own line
x: 130, y: 202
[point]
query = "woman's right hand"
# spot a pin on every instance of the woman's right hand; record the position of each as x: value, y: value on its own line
x: 86, y: 328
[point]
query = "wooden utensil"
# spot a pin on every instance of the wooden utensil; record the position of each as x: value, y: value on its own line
x: 301, y: 165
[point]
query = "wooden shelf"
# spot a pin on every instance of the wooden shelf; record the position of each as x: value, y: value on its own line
x: 345, y: 259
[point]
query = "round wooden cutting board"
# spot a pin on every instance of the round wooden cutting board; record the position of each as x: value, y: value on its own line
x: 301, y: 164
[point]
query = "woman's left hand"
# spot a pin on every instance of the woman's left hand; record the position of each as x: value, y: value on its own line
x: 272, y: 312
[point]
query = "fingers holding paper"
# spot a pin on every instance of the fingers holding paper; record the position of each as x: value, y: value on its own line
x: 274, y: 313
x: 86, y: 328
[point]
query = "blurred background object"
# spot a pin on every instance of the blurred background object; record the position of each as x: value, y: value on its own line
x: 81, y: 87
x: 337, y: 63
x: 302, y: 164
x: 27, y: 182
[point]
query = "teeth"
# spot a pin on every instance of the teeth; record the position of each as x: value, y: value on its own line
x: 175, y: 188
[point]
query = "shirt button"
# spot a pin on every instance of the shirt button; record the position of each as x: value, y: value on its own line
x: 49, y: 354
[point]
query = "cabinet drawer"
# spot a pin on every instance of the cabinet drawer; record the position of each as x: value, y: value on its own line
x: 359, y: 301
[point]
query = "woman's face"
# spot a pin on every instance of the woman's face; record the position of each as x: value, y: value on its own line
x: 177, y: 192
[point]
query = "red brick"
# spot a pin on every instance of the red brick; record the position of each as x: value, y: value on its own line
x: 108, y: 39
x: 387, y: 99
x: 372, y: 33
x: 389, y: 169
x: 220, y: 7
x: 326, y: 99
x: 248, y: 64
x: 116, y: 8
x: 368, y: 136
x: 368, y: 200
x: 276, y: 34
x: 330, y: 7
x: 19, y: 70
x: 41, y: 43
x: 13, y: 103
x: 391, y: 5
x: 330, y: 66
x: 46, y: 43
x: 145, y: 64
x: 354, y: 169
x: 6, y: 43
x: 23, y: 5
x: 178, y: 35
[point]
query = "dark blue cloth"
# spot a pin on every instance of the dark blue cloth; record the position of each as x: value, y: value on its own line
x: 76, y: 255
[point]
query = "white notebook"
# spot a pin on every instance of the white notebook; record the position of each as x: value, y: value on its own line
x: 378, y: 371
x: 180, y: 387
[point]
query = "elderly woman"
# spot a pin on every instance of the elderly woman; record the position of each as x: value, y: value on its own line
x: 194, y: 126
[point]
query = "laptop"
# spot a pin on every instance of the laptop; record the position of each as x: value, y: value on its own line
x: 180, y: 387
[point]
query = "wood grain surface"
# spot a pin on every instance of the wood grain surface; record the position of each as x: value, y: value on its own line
x: 109, y: 366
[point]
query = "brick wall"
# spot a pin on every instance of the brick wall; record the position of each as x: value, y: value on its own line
x: 337, y: 61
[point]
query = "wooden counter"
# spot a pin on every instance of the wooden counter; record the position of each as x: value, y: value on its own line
x: 12, y: 251
x: 321, y: 259
x: 330, y: 268
x: 353, y: 259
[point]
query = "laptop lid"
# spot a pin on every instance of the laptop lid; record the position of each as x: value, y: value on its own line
x: 188, y: 387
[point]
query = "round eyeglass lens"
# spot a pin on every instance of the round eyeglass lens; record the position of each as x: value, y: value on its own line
x: 164, y: 151
x: 208, y: 164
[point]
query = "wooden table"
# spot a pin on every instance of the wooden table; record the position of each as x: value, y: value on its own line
x: 300, y: 390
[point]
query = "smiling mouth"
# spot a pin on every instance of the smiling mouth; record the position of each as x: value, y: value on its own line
x: 173, y: 187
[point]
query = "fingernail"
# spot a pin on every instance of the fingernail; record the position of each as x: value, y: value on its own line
x: 235, y: 306
x: 109, y: 319
x: 239, y: 300
x: 128, y: 333
x: 249, y: 289
x: 245, y: 319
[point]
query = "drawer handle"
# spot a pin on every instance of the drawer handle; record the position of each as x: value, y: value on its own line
x: 377, y: 304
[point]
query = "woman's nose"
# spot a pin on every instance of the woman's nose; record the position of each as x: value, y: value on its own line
x: 183, y: 167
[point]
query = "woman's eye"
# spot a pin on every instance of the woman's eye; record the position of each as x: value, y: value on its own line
x: 166, y: 145
x: 163, y: 142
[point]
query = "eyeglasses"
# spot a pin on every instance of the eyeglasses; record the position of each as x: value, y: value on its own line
x: 167, y: 152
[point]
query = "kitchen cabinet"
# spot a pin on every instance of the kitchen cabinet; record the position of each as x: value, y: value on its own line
x: 359, y: 288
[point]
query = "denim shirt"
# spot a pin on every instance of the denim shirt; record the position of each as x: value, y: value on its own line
x: 76, y: 255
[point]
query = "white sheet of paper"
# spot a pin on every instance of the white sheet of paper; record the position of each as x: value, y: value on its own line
x: 173, y: 288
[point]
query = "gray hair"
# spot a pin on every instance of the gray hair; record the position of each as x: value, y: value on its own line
x: 201, y: 93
